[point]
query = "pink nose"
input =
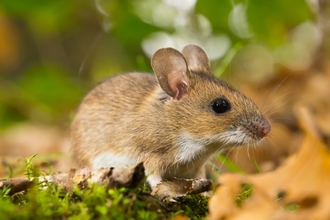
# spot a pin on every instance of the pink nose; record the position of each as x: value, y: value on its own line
x: 265, y: 129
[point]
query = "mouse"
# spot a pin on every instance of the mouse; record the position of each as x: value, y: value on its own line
x: 173, y: 121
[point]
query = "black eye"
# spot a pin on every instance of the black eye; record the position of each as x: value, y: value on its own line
x: 220, y: 106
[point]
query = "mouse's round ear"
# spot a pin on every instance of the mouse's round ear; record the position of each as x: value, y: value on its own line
x: 196, y: 58
x: 171, y: 69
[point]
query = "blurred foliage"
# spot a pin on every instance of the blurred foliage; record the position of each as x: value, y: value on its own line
x: 52, y: 52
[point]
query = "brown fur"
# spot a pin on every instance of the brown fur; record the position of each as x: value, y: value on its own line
x: 131, y: 114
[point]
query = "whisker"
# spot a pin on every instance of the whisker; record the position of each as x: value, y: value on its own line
x: 88, y: 54
x: 226, y: 157
x: 267, y: 108
x: 276, y: 88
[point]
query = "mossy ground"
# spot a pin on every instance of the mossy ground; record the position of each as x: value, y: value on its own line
x: 95, y: 202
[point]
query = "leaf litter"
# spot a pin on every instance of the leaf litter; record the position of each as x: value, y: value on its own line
x: 298, y: 189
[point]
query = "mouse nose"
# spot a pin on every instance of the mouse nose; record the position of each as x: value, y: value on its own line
x: 264, y: 129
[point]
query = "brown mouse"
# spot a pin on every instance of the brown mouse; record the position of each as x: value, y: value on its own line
x: 173, y: 122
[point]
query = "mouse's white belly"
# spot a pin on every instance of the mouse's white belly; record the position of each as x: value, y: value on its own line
x: 108, y: 159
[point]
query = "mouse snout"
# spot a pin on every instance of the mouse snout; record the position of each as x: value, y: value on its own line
x: 264, y: 129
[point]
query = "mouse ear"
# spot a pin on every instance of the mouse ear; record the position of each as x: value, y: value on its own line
x: 171, y: 69
x: 196, y: 58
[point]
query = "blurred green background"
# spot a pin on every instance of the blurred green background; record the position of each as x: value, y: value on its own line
x: 53, y: 52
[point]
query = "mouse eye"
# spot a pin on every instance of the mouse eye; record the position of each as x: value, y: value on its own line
x: 220, y: 106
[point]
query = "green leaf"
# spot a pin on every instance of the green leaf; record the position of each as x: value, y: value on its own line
x: 229, y: 164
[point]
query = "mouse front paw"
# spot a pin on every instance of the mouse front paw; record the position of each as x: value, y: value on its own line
x: 168, y: 190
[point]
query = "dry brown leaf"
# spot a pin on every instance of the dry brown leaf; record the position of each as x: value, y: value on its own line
x: 303, y: 180
x: 277, y: 98
x: 180, y: 217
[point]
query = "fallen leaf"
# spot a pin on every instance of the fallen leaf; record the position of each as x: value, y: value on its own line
x: 302, y: 182
x: 180, y: 217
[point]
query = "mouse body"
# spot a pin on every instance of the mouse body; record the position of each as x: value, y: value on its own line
x: 173, y: 121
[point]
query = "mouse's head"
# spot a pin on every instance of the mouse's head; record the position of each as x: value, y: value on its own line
x: 206, y: 109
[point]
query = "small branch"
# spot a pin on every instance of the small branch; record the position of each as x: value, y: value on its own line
x: 110, y: 177
x: 16, y: 184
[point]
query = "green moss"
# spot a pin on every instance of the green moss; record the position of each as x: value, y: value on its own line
x: 246, y: 192
x: 95, y: 203
x: 292, y: 207
x: 193, y: 206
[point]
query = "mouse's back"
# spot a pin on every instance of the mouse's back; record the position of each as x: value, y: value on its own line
x: 104, y: 114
